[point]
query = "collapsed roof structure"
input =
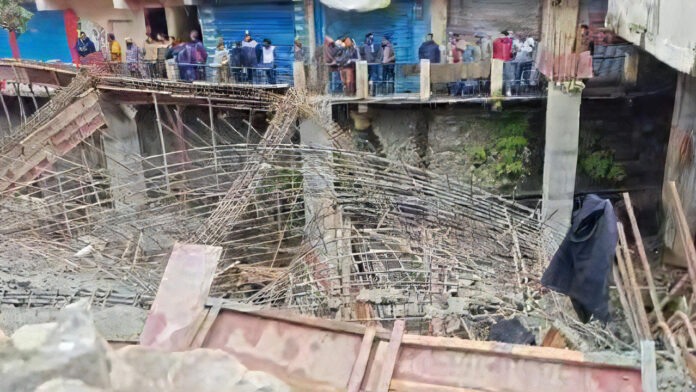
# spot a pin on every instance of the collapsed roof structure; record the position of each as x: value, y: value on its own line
x: 315, y: 227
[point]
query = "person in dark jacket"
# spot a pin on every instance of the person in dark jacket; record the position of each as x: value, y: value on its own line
x: 580, y: 268
x: 192, y: 59
x: 250, y: 58
x: 236, y: 61
x: 371, y: 52
x: 429, y: 50
x: 84, y: 45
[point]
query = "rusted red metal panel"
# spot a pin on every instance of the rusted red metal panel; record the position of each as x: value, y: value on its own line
x: 320, y: 354
x: 178, y: 309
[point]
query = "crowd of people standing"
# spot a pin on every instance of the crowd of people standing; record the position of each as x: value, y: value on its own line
x: 341, y: 56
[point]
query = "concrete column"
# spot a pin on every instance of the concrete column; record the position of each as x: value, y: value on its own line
x: 326, y: 229
x: 497, y: 77
x: 298, y: 75
x: 560, y: 155
x: 424, y: 80
x: 362, y: 86
x: 123, y: 157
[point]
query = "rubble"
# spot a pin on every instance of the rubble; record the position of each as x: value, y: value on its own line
x: 69, y: 355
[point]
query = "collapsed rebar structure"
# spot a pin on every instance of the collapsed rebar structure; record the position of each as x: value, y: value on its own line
x: 322, y: 230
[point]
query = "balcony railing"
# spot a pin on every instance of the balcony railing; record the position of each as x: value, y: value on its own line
x: 210, y: 73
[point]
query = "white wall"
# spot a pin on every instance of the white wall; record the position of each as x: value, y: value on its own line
x: 664, y: 28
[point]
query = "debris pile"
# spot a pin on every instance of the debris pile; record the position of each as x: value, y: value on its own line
x: 68, y: 355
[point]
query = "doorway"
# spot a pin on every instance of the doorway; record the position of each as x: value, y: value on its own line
x: 156, y: 22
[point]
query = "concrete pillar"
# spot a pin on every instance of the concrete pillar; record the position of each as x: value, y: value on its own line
x: 298, y: 75
x: 123, y: 157
x: 326, y: 229
x: 362, y: 86
x: 497, y: 77
x: 560, y: 156
x: 424, y: 80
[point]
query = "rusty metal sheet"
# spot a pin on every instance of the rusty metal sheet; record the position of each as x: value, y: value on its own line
x: 320, y: 355
x: 180, y: 302
x: 295, y: 353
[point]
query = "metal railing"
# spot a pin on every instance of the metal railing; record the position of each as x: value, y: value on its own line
x: 530, y: 83
x: 210, y: 73
x: 383, y: 80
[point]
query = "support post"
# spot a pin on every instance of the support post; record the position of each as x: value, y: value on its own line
x: 424, y: 80
x: 214, y: 141
x: 648, y: 368
x: 361, y: 78
x: 497, y: 77
x: 7, y: 113
x: 298, y: 75
x: 560, y: 156
x: 164, y: 150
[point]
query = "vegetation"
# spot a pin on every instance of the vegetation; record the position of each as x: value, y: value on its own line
x: 14, y: 17
x: 600, y: 166
x: 505, y: 158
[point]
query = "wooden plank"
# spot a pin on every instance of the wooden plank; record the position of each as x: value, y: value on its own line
x: 358, y: 372
x: 391, y: 356
x: 412, y: 386
x: 648, y: 365
x: 643, y: 258
x: 205, y: 326
x: 554, y: 338
x: 628, y: 312
x: 633, y: 287
x: 684, y: 233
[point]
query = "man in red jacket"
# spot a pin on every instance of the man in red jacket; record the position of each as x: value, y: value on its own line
x: 502, y: 47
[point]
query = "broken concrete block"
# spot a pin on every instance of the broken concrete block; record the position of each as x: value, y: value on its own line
x: 178, y: 307
x: 142, y: 369
x: 63, y: 385
x: 70, y: 349
x: 33, y: 336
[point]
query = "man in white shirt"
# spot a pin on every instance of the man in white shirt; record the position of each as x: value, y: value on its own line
x: 268, y: 60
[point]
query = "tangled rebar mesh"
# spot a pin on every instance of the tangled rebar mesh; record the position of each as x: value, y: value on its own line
x: 325, y: 231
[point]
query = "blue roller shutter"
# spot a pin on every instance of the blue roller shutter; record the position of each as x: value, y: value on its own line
x: 44, y: 39
x: 274, y: 20
x: 401, y: 21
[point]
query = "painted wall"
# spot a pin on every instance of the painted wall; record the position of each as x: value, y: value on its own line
x: 44, y: 39
x: 492, y: 16
x: 663, y: 28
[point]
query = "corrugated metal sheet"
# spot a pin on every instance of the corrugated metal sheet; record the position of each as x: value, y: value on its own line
x: 274, y: 20
x: 492, y: 16
x: 401, y: 21
x: 44, y: 39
